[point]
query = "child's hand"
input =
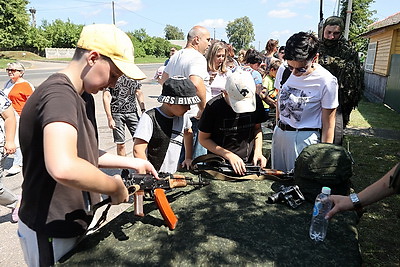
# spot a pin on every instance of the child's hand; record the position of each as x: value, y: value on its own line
x: 237, y: 163
x: 186, y: 164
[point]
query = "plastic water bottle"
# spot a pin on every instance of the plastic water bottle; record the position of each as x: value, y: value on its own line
x: 319, y: 225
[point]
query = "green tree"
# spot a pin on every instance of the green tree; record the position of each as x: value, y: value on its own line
x: 361, y: 17
x: 35, y: 38
x: 14, y: 22
x: 173, y: 33
x: 240, y: 32
x: 62, y: 34
x: 162, y: 47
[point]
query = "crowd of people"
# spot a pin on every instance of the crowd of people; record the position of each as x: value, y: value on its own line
x: 213, y: 100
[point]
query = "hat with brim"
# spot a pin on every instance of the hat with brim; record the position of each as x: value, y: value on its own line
x: 241, y: 91
x: 113, y: 43
x: 179, y: 90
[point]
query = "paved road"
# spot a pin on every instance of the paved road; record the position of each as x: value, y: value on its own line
x: 10, y: 251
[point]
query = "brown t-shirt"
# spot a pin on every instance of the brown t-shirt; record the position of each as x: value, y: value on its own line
x: 47, y: 206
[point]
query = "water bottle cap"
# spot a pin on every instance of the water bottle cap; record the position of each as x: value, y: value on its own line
x: 326, y: 190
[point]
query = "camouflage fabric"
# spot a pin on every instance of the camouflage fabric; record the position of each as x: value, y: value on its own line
x: 224, y: 223
x: 340, y: 59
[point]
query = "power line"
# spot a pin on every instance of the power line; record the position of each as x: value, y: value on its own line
x: 64, y: 8
x: 160, y: 23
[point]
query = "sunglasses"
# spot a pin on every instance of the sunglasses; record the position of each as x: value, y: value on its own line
x: 301, y: 69
x: 12, y: 70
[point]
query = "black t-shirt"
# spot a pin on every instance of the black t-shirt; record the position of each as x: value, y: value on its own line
x: 230, y: 130
x: 123, y: 96
x: 47, y: 206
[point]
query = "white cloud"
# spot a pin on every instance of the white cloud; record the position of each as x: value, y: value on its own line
x: 121, y: 23
x: 284, y: 13
x: 294, y: 3
x: 132, y: 5
x: 280, y: 35
x: 89, y: 14
x: 213, y: 23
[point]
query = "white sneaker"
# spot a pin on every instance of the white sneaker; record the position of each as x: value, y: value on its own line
x: 13, y: 170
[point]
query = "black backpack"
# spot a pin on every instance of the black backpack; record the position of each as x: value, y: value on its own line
x: 321, y: 165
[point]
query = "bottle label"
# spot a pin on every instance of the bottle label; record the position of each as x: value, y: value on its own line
x: 316, y: 209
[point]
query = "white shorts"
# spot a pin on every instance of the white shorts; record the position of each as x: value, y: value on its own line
x: 287, y: 145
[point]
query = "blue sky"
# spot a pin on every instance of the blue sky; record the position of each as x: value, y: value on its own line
x: 271, y: 18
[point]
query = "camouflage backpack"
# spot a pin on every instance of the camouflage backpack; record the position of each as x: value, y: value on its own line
x: 321, y: 165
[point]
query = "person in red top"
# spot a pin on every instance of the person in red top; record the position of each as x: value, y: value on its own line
x: 18, y: 90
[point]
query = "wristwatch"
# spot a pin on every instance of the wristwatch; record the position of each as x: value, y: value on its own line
x: 356, y: 201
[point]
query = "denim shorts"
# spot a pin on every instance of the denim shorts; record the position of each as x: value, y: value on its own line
x: 121, y: 119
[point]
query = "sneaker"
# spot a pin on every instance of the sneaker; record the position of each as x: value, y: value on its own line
x: 14, y: 214
x: 13, y: 170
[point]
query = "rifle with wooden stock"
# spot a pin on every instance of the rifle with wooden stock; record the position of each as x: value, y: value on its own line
x: 148, y: 184
x: 222, y: 170
x: 141, y: 184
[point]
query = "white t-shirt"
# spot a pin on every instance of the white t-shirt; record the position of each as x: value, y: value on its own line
x: 301, y: 99
x: 218, y: 84
x: 187, y: 62
x: 145, y: 131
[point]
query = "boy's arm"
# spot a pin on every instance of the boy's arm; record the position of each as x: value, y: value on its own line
x: 107, y: 108
x: 64, y: 165
x: 258, y: 158
x: 188, y: 143
x: 237, y: 163
x: 139, y: 148
x: 140, y: 100
x: 328, y: 125
x: 9, y: 127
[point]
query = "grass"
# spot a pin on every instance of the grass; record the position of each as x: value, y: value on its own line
x: 378, y: 228
x: 10, y: 56
x: 372, y: 115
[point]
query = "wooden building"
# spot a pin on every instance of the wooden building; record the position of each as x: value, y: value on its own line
x: 382, y: 65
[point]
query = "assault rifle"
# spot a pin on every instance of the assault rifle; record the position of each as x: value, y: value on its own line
x: 224, y: 171
x: 148, y: 184
x: 290, y: 194
x: 255, y: 170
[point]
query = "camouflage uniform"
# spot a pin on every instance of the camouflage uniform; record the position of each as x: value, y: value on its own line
x: 340, y: 59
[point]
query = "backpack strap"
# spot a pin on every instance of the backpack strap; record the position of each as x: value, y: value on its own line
x: 285, y: 76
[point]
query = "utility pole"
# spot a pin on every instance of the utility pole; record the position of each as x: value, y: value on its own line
x: 214, y: 33
x: 348, y: 18
x: 33, y: 14
x: 338, y: 8
x: 321, y: 19
x: 113, y: 12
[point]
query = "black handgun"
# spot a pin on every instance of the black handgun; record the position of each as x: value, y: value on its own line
x: 289, y: 194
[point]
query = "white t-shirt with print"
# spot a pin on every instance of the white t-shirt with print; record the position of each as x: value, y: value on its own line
x: 301, y: 99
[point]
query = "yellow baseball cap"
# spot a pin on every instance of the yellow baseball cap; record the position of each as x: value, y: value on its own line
x: 111, y: 42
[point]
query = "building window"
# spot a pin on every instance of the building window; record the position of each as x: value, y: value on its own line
x: 369, y: 62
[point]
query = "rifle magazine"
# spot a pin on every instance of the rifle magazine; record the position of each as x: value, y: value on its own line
x: 165, y: 209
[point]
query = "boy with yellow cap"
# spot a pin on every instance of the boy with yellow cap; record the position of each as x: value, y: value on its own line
x: 62, y: 179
